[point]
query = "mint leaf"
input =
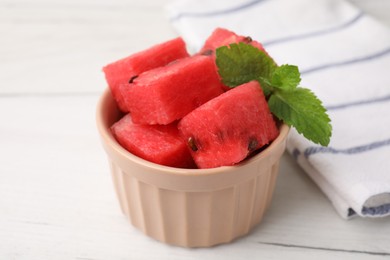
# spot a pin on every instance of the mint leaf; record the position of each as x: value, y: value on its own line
x: 303, y: 110
x: 298, y: 107
x: 241, y: 63
x: 286, y: 77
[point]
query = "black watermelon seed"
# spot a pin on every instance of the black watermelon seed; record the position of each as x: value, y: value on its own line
x: 133, y: 78
x: 192, y: 144
x: 207, y: 52
x: 248, y: 39
x: 253, y: 143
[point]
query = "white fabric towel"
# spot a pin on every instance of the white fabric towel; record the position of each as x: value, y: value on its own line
x: 344, y: 57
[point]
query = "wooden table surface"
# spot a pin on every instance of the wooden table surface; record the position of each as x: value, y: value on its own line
x: 56, y: 196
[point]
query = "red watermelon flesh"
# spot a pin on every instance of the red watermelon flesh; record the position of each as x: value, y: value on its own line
x: 158, y: 144
x: 223, y: 37
x: 166, y: 94
x: 225, y: 130
x: 122, y: 71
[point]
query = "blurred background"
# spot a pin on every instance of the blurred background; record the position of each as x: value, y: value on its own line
x: 70, y: 41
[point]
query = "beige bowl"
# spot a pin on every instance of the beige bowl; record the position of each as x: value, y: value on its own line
x: 190, y: 207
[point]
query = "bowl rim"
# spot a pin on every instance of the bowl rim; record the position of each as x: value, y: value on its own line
x: 108, y: 139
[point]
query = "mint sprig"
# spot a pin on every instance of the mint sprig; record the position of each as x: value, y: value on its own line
x: 238, y: 64
x: 286, y: 77
x: 294, y: 105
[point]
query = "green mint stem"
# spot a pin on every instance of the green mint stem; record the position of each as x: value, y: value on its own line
x: 296, y: 106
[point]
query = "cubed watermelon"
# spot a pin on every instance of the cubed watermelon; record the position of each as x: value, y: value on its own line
x: 223, y: 37
x: 126, y: 69
x: 155, y: 143
x: 225, y: 130
x: 166, y: 94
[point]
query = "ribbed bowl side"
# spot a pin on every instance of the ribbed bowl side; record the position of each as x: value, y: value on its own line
x: 195, y: 219
x: 188, y: 207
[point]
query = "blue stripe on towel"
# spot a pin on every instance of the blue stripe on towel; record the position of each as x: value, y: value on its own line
x: 316, y: 33
x: 219, y: 12
x: 347, y: 62
x: 373, y: 211
x: 353, y: 150
x: 296, y: 153
x: 358, y: 103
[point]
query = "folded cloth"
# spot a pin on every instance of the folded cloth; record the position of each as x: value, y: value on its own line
x: 344, y: 57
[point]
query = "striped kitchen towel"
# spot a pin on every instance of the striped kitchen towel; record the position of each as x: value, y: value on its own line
x: 344, y: 57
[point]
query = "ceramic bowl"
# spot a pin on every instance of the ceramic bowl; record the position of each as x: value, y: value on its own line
x: 190, y: 207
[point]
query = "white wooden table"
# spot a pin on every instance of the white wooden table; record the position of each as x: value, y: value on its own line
x: 56, y: 196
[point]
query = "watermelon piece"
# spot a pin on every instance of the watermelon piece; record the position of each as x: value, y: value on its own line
x: 159, y: 144
x: 225, y: 130
x: 126, y: 69
x: 223, y: 37
x: 166, y: 94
